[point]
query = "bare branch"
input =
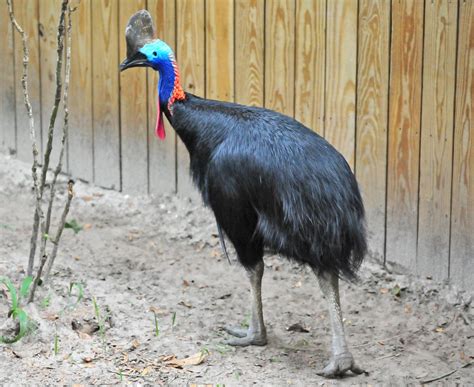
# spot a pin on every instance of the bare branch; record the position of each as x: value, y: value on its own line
x: 24, y: 82
x: 63, y: 141
x: 70, y: 195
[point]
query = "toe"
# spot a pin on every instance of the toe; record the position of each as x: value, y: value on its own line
x: 236, y: 331
x: 339, y: 365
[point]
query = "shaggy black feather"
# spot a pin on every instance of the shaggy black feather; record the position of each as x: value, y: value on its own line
x: 273, y: 183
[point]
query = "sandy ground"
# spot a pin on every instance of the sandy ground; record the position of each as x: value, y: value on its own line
x: 162, y: 252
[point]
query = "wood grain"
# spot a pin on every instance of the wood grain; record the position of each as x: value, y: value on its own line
x: 372, y: 122
x: 439, y: 58
x: 162, y: 154
x: 133, y: 112
x: 404, y: 132
x: 7, y: 85
x: 26, y: 13
x: 105, y: 90
x: 191, y: 58
x: 462, y: 216
x: 81, y: 133
x: 341, y: 58
x: 310, y: 63
x: 49, y: 11
x: 220, y: 50
x: 249, y: 52
x: 279, y: 56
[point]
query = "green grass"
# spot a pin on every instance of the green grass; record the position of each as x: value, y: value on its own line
x: 16, y: 312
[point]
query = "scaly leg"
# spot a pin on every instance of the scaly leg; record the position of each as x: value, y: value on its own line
x: 341, y: 359
x: 256, y: 334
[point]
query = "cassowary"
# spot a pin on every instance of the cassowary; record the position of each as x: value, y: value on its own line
x: 272, y: 183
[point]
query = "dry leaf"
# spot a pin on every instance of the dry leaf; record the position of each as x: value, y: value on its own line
x: 383, y: 290
x: 439, y: 330
x: 297, y: 328
x: 77, y: 258
x: 87, y: 226
x: 195, y: 359
x: 158, y: 311
x: 87, y: 359
x: 87, y: 198
x: 186, y: 304
x: 50, y: 316
x: 84, y: 336
x: 135, y: 344
x: 298, y: 284
x: 186, y: 283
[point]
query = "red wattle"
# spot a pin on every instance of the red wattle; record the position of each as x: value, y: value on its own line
x: 160, y: 127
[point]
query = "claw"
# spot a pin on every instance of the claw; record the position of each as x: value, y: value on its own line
x: 246, y: 341
x: 236, y: 331
x: 339, y: 365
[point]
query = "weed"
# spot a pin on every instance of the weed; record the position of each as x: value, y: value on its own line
x: 157, y: 328
x: 15, y: 311
x: 56, y: 344
x: 45, y: 302
x: 72, y: 224
x: 100, y: 320
x: 246, y: 321
x: 173, y: 319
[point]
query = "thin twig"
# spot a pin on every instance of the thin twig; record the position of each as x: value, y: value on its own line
x: 70, y: 195
x: 24, y: 82
x: 64, y: 138
x: 45, y: 224
x: 447, y: 373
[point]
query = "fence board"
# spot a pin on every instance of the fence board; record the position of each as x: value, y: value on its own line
x: 341, y: 49
x: 26, y: 13
x: 105, y: 75
x: 220, y: 50
x: 279, y: 56
x: 404, y: 132
x: 310, y: 63
x: 436, y: 138
x: 249, y: 52
x: 462, y: 217
x: 49, y: 11
x: 133, y: 112
x: 191, y: 56
x: 372, y: 105
x: 81, y: 124
x: 162, y: 154
x: 7, y: 84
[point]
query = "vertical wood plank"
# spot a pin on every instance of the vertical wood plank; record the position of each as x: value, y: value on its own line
x: 372, y: 105
x: 436, y: 137
x: 7, y: 85
x: 81, y: 133
x: 133, y: 112
x: 249, y: 52
x: 191, y: 58
x: 105, y: 92
x: 162, y: 154
x: 279, y: 56
x: 462, y: 216
x: 404, y: 132
x: 49, y: 11
x: 341, y: 48
x: 220, y: 50
x: 26, y: 13
x: 310, y: 63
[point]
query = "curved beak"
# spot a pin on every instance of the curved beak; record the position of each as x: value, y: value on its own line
x: 137, y: 60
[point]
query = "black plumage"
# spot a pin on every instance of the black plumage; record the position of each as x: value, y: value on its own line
x: 274, y: 184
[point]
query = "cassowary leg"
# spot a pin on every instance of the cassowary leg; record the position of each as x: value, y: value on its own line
x: 256, y: 334
x: 341, y: 359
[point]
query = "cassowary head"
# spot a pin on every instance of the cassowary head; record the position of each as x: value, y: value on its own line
x: 145, y: 50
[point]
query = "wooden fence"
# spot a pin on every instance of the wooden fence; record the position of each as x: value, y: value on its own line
x: 389, y: 83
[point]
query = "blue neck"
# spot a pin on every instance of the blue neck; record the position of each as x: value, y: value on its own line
x: 166, y: 82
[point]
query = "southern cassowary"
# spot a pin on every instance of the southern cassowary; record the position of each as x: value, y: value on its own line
x: 272, y: 183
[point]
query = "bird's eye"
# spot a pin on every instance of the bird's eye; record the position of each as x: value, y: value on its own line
x: 154, y: 53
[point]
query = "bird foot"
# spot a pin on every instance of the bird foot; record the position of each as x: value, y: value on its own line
x: 339, y: 365
x: 244, y: 337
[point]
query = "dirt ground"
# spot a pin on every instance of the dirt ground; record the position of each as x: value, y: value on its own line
x: 141, y: 257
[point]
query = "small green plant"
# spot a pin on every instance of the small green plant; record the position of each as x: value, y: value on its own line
x: 15, y: 310
x: 72, y: 224
x: 157, y: 327
x: 56, y: 344
x: 100, y: 319
x: 246, y: 321
x: 80, y: 292
x: 45, y: 302
x: 173, y: 319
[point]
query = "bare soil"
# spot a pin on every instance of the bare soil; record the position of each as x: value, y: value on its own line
x: 159, y: 255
